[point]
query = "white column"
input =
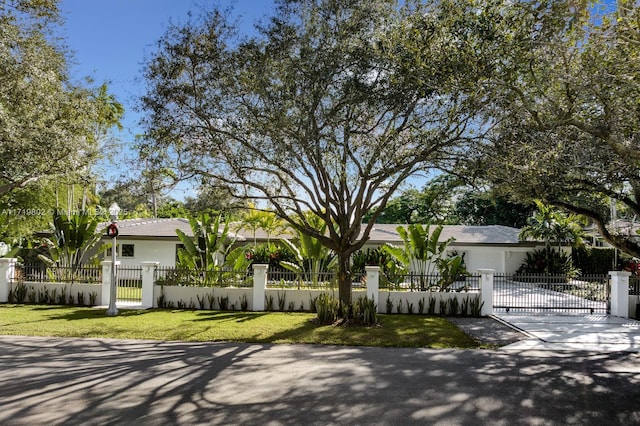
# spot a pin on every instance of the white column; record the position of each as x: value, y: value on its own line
x: 106, y: 281
x: 148, y: 280
x: 620, y: 293
x: 486, y: 291
x: 373, y: 283
x: 259, y: 286
x: 7, y: 271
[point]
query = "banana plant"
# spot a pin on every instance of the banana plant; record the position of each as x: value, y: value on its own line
x: 450, y: 270
x: 207, y: 250
x: 74, y: 239
x: 312, y: 258
x: 421, y: 250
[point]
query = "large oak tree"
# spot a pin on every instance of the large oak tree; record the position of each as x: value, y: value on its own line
x: 324, y: 111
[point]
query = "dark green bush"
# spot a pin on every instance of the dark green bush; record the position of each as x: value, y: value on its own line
x: 594, y: 260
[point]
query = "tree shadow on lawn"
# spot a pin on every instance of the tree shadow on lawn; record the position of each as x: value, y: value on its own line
x: 234, y: 316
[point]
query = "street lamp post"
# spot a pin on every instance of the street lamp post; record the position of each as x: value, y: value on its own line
x: 112, y: 231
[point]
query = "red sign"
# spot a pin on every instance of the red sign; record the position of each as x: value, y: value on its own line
x: 112, y: 230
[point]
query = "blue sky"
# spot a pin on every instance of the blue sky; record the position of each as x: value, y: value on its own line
x: 111, y: 39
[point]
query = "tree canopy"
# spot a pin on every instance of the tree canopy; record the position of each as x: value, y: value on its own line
x: 562, y: 102
x: 325, y: 111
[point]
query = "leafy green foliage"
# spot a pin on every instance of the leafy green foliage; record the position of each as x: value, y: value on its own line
x: 49, y: 126
x: 423, y: 253
x: 552, y: 226
x: 548, y: 261
x: 594, y: 260
x: 311, y: 257
x: 563, y: 93
x: 74, y: 238
x: 208, y: 247
x: 324, y: 110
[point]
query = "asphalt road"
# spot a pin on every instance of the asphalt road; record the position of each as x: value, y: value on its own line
x: 105, y: 382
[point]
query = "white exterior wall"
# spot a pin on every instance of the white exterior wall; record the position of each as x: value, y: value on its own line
x: 500, y: 259
x: 148, y: 251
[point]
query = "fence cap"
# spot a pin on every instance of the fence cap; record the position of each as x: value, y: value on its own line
x: 486, y: 271
x: 620, y: 273
x: 8, y: 260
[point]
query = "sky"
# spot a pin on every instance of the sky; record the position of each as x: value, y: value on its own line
x: 110, y: 39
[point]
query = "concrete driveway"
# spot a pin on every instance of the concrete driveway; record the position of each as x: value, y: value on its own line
x: 591, y: 332
x: 112, y: 382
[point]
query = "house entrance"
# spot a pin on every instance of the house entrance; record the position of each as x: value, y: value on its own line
x: 545, y: 294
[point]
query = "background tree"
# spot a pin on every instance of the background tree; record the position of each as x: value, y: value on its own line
x: 325, y: 111
x: 47, y: 125
x: 212, y: 199
x: 479, y: 208
x: 562, y: 98
x: 433, y: 204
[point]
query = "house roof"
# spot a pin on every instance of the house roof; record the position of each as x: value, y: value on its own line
x: 490, y: 234
x: 380, y: 234
x: 154, y: 228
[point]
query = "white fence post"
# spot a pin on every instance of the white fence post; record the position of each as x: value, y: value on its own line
x: 373, y: 283
x: 259, y: 286
x: 7, y: 271
x: 620, y: 293
x: 106, y: 281
x: 148, y: 280
x: 486, y: 291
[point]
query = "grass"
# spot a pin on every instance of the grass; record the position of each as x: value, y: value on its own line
x: 206, y: 326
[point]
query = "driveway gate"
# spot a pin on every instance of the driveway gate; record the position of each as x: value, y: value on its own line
x: 549, y: 294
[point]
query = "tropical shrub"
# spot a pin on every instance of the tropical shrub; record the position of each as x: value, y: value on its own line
x: 548, y: 262
x: 310, y: 257
x: 425, y: 254
x: 74, y: 239
x: 594, y: 260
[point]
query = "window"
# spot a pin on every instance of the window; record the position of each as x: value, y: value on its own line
x: 126, y: 250
x: 122, y: 250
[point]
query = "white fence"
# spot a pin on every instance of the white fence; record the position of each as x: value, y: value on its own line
x: 259, y: 297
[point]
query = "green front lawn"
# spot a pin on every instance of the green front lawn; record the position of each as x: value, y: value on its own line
x: 251, y: 327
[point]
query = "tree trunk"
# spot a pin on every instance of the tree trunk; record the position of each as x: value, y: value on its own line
x: 344, y: 278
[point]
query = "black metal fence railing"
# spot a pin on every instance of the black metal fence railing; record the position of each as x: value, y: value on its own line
x: 85, y: 274
x: 200, y: 278
x: 433, y: 282
x: 551, y: 293
x: 309, y: 280
x: 634, y: 285
x: 129, y: 288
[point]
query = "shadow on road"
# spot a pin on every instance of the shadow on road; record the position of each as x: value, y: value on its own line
x: 91, y: 381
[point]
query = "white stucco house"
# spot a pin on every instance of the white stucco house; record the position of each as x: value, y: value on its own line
x: 148, y: 240
x: 484, y: 247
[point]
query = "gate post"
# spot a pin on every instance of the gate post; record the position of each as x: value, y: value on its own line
x: 486, y: 291
x: 373, y: 283
x: 148, y: 280
x: 7, y: 271
x: 106, y: 281
x: 620, y: 293
x: 259, y: 286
